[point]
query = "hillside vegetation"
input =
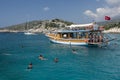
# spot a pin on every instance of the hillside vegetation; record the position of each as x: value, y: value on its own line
x: 45, y: 24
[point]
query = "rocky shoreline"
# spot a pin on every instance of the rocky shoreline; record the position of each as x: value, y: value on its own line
x: 38, y: 30
x: 113, y: 30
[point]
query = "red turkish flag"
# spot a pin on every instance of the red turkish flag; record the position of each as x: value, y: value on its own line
x: 107, y: 18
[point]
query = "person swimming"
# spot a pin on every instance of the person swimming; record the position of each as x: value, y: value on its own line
x: 29, y: 66
x: 56, y: 60
x: 41, y: 57
x: 74, y: 51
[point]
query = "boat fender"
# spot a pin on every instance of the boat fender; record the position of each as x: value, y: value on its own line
x: 86, y: 40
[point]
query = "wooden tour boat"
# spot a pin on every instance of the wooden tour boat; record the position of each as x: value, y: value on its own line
x: 80, y: 34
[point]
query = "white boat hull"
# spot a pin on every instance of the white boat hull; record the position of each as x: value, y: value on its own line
x: 69, y: 43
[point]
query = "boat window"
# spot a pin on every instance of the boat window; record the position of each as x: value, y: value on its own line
x: 71, y: 35
x: 82, y: 35
x: 74, y: 35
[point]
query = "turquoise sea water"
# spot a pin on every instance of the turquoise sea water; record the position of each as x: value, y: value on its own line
x: 88, y: 63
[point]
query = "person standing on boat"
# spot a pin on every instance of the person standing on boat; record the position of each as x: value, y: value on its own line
x: 101, y: 38
x: 95, y: 26
x: 90, y: 38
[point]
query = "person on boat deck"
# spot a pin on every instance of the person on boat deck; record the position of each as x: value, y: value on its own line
x: 56, y: 60
x: 96, y: 39
x: 90, y: 38
x: 30, y: 66
x: 100, y: 38
x: 94, y: 36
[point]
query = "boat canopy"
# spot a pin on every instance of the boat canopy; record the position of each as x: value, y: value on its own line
x: 80, y: 25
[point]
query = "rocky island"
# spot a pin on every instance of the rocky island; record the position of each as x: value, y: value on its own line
x: 37, y: 26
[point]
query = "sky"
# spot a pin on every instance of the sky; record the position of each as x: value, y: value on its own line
x: 78, y: 11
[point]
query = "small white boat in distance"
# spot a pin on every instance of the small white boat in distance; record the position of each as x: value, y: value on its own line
x: 29, y: 33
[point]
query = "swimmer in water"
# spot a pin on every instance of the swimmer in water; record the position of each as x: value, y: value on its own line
x: 30, y: 66
x: 42, y: 58
x: 74, y: 51
x: 56, y: 60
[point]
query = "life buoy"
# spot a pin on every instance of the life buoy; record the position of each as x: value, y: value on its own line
x: 65, y: 35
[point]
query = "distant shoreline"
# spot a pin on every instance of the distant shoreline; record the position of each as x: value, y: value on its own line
x: 39, y: 30
x: 112, y: 30
x: 5, y: 30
